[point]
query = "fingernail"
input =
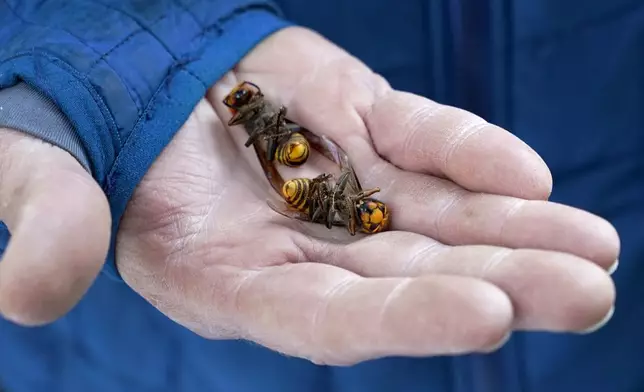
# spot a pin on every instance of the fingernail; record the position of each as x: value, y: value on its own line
x: 600, y: 324
x: 613, y: 267
x: 498, y: 345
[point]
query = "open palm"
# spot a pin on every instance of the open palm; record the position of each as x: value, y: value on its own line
x: 474, y: 252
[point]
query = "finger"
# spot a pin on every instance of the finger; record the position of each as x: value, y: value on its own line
x: 332, y: 316
x: 412, y: 132
x: 441, y: 210
x: 447, y: 212
x: 420, y: 135
x: 60, y: 225
x: 549, y: 290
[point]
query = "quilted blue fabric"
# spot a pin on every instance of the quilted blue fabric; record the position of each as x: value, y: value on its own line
x: 126, y: 73
x: 566, y: 76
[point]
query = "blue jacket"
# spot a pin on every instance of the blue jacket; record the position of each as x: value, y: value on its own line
x: 566, y: 77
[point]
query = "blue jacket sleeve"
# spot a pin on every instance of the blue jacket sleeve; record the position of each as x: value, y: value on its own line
x: 127, y: 74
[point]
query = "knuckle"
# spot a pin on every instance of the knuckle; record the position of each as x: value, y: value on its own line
x: 458, y: 137
x: 415, y: 125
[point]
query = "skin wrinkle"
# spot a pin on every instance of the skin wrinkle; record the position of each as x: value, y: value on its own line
x: 458, y: 138
x: 428, y: 252
x: 354, y: 102
x: 416, y: 124
x: 300, y: 254
x: 496, y: 259
x: 261, y: 330
x: 216, y: 321
x: 380, y: 89
x: 187, y: 181
x: 391, y: 297
x: 246, y: 279
x: 167, y: 232
x: 171, y: 274
x: 306, y: 248
x: 204, y: 216
x: 154, y: 286
x: 315, y: 251
x: 181, y: 237
x: 174, y: 251
x: 158, y: 204
x: 364, y: 133
x: 210, y: 322
x: 319, y: 315
x: 173, y: 285
x: 374, y: 172
x: 250, y: 218
x: 348, y: 75
x: 417, y: 191
x: 453, y: 198
x: 516, y: 207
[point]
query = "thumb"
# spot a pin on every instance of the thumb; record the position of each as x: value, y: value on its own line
x: 59, y: 221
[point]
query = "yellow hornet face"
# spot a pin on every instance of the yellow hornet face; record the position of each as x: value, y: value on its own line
x: 373, y: 215
x: 240, y: 95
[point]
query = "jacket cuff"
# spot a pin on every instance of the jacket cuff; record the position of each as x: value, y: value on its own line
x: 127, y: 90
x: 25, y: 109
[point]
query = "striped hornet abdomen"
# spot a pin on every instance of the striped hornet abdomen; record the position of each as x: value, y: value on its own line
x: 263, y: 120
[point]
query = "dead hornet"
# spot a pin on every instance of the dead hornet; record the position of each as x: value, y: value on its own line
x: 262, y: 119
x: 317, y: 200
x: 355, y: 206
x: 305, y: 198
x: 308, y: 198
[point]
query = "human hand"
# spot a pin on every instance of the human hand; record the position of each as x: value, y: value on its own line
x: 60, y: 226
x: 455, y: 276
x: 475, y: 251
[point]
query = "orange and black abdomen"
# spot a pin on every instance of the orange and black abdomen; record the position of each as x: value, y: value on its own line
x: 294, y: 151
x: 373, y: 215
x: 296, y: 193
